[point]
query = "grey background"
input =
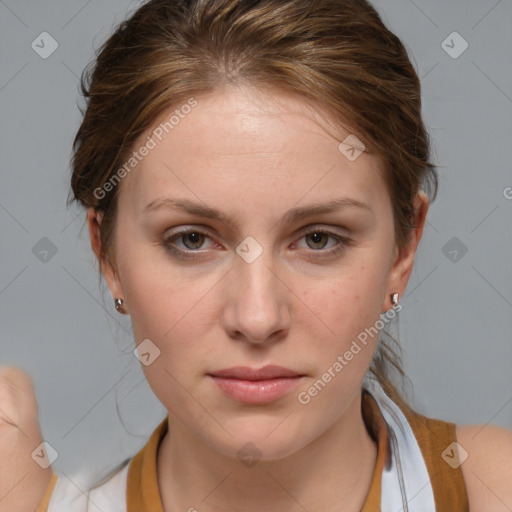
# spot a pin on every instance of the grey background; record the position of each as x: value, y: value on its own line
x: 60, y: 325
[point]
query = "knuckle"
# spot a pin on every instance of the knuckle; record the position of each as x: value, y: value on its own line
x: 17, y: 397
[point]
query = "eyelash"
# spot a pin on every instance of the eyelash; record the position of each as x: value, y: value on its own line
x: 167, y: 244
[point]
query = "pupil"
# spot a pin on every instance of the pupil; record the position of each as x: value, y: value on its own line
x: 193, y: 239
x: 317, y: 238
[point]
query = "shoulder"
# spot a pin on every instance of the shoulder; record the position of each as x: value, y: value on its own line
x: 485, y: 452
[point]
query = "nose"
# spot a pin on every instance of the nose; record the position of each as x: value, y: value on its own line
x: 255, y: 308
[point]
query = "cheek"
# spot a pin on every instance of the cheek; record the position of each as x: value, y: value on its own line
x: 157, y: 294
x: 346, y: 309
x: 169, y: 306
x: 164, y: 310
x: 350, y: 309
x: 353, y: 299
x: 168, y: 314
x: 150, y: 303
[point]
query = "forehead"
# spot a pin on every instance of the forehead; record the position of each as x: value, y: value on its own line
x: 242, y: 144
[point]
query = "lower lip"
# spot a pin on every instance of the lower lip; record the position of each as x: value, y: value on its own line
x: 256, y: 391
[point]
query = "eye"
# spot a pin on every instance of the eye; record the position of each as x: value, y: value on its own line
x: 195, y: 238
x: 192, y: 239
x: 319, y: 239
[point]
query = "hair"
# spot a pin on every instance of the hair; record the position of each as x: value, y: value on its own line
x: 337, y: 54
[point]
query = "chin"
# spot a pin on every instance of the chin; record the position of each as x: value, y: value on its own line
x: 263, y: 439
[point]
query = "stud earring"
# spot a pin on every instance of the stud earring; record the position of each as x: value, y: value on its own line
x: 394, y: 299
x: 119, y: 305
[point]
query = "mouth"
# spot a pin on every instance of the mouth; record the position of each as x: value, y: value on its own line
x: 256, y: 386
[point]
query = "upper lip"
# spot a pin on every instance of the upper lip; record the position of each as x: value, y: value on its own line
x: 247, y: 373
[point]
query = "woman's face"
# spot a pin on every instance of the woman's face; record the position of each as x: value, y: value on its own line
x: 247, y: 176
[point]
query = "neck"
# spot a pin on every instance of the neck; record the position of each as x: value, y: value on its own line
x: 332, y: 473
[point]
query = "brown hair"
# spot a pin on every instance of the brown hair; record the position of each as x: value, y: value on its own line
x: 336, y: 53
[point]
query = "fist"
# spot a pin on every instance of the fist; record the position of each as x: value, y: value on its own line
x: 22, y: 481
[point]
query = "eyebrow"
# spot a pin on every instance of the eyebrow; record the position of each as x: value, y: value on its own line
x: 293, y: 215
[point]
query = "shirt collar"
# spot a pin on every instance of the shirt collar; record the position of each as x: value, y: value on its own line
x: 142, y: 492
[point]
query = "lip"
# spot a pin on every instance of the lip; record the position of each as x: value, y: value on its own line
x: 256, y: 386
x: 248, y: 373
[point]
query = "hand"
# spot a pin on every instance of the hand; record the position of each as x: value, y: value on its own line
x: 23, y: 482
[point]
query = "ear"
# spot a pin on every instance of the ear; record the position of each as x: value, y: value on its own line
x: 94, y: 219
x: 401, y: 269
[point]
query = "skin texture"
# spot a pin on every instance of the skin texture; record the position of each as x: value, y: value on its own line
x: 255, y: 164
x: 255, y: 156
x: 488, y: 468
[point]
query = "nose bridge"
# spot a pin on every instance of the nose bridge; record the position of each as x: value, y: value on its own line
x: 256, y: 303
x: 254, y: 269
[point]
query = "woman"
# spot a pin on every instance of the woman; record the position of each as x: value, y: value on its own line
x: 256, y: 177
